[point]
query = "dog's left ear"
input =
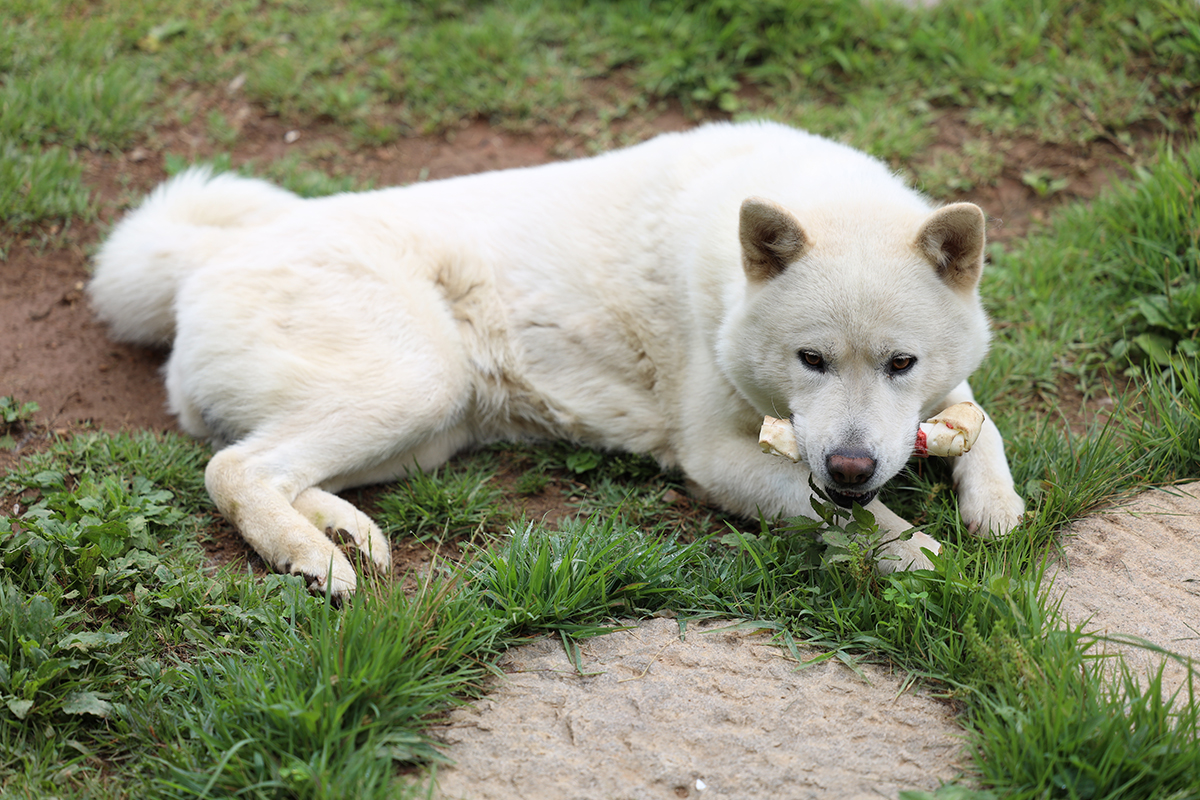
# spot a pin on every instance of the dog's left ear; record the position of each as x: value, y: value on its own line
x: 771, y: 239
x: 953, y: 238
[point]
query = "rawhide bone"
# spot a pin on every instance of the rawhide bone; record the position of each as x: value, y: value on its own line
x: 949, y: 433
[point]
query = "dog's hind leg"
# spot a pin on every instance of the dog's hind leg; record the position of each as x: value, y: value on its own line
x: 256, y: 493
x: 345, y: 525
x: 277, y: 486
x: 324, y: 376
x: 273, y: 489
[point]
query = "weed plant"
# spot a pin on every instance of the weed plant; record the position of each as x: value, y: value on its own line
x: 14, y: 419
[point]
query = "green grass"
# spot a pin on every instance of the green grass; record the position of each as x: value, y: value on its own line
x: 444, y: 504
x: 75, y: 106
x: 37, y: 185
x: 103, y: 76
x: 130, y: 668
x: 325, y: 707
x: 1116, y: 279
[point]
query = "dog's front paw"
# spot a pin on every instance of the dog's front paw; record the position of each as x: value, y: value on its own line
x: 904, y: 555
x: 991, y: 512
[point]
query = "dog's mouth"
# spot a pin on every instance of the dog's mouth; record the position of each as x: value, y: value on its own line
x: 848, y: 499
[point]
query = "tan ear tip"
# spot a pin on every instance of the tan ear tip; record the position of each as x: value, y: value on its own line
x: 756, y: 203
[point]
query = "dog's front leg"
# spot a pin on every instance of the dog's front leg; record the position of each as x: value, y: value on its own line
x: 987, y: 500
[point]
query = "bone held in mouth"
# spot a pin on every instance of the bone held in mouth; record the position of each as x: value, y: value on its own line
x: 777, y: 439
x: 949, y: 433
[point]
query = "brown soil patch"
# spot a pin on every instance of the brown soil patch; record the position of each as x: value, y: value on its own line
x: 59, y: 356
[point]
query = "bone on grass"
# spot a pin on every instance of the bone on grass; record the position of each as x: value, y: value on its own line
x: 949, y: 433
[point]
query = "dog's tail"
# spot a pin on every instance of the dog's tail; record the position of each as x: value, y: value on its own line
x: 176, y: 228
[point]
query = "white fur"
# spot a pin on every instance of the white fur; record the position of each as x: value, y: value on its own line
x: 334, y: 342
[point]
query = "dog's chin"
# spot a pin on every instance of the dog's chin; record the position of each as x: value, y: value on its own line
x: 847, y: 500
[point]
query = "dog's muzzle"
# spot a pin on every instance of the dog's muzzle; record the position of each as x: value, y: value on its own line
x: 849, y: 470
x: 847, y: 500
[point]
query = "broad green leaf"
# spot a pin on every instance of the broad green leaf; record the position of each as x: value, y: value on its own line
x: 1157, y: 348
x: 86, y: 703
x: 89, y: 640
x: 19, y: 708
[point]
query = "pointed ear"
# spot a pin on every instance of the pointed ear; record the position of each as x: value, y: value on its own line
x: 952, y: 239
x: 771, y: 239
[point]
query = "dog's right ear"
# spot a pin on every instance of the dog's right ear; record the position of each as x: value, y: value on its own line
x: 953, y: 240
x: 771, y: 239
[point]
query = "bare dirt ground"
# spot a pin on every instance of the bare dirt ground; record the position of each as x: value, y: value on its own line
x: 714, y: 714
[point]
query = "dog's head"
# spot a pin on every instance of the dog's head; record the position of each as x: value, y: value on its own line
x: 854, y: 324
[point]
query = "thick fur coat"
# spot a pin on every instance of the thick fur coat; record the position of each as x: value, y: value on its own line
x: 659, y: 299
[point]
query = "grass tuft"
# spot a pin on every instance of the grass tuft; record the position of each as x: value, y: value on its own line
x: 572, y: 579
x: 328, y: 708
x: 37, y: 186
x: 447, y: 503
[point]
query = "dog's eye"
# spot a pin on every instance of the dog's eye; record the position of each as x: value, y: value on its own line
x: 812, y: 360
x: 901, y: 363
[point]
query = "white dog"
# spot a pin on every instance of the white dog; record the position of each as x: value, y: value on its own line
x: 659, y: 299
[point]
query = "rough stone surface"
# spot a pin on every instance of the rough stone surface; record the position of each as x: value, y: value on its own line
x: 719, y: 713
x: 1135, y: 570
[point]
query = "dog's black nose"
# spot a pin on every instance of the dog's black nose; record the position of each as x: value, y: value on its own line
x: 851, y: 467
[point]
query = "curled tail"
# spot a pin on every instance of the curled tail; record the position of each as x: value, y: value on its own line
x: 175, y: 230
